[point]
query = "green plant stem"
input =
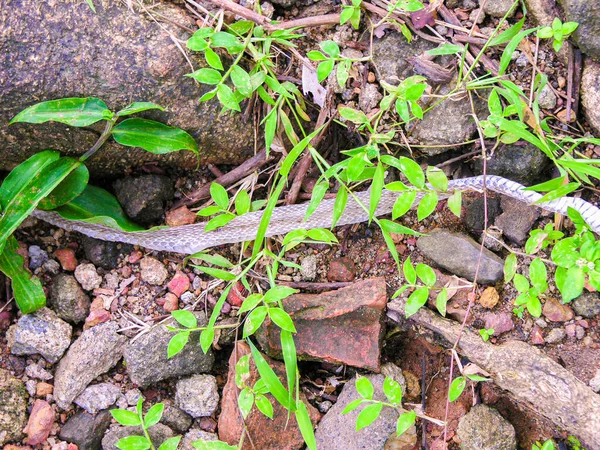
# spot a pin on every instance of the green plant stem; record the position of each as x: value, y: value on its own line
x: 147, y: 434
x: 101, y: 140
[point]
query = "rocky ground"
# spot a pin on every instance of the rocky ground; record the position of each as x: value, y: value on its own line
x: 101, y: 342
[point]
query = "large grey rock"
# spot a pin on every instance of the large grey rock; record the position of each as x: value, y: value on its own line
x: 516, y: 220
x: 483, y: 428
x: 175, y: 418
x: 158, y: 434
x: 499, y: 8
x: 146, y: 357
x: 197, y: 395
x: 337, y: 431
x: 587, y: 14
x: 523, y: 163
x: 55, y: 49
x: 187, y: 442
x: 86, y: 430
x: 590, y: 93
x: 13, y: 407
x: 542, y: 12
x: 459, y: 254
x: 96, y: 351
x: 68, y: 300
x: 42, y: 332
x: 587, y: 305
x: 143, y: 198
x: 97, y: 397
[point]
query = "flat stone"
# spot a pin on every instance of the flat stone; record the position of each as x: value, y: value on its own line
x: 459, y: 254
x: 143, y: 197
x: 516, y: 220
x: 500, y: 322
x: 40, y: 422
x: 68, y: 300
x: 42, y: 332
x: 13, y: 407
x: 196, y: 435
x: 97, y: 397
x: 483, y: 428
x: 556, y: 311
x: 264, y: 433
x: 158, y: 434
x: 587, y: 304
x: 339, y: 431
x: 153, y: 271
x: 85, y: 430
x: 341, y: 269
x: 175, y: 418
x: 96, y: 351
x: 197, y: 395
x: 146, y: 357
x: 499, y: 8
x: 556, y: 335
x: 343, y: 326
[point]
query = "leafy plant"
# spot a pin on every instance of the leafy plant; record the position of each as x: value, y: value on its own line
x: 558, y: 32
x: 351, y: 13
x: 145, y: 421
x: 547, y: 445
x: 486, y: 333
x: 331, y: 56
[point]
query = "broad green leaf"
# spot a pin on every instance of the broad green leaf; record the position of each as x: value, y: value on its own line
x: 456, y: 388
x: 133, y: 443
x: 341, y: 199
x: 28, y: 291
x: 521, y: 283
x: 245, y: 402
x: 416, y: 300
x: 305, y: 425
x: 254, y: 320
x: 227, y: 97
x: 241, y: 80
x: 364, y: 387
x: 426, y: 274
x: 331, y: 48
x: 510, y: 267
x: 125, y: 417
x: 22, y: 204
x: 410, y: 275
x: 441, y: 301
x: 317, y: 196
x: 170, y: 444
x: 213, y: 59
x: 446, y: 49
x: 342, y: 74
x: 353, y: 405
x: 455, y: 203
x: 477, y: 378
x: 392, y: 390
x: 534, y: 306
x: 214, y: 259
x: 508, y: 34
x: 219, y: 221
x: 242, y: 203
x: 510, y: 49
x: 69, y: 189
x: 185, y: 318
x: 413, y: 171
x: 154, y: 414
x: 437, y: 178
x: 282, y: 319
x: 177, y: 343
x: 565, y: 253
x: 96, y: 205
x: 393, y: 227
x: 570, y: 282
x: 217, y: 273
x: 198, y: 40
x: 353, y: 115
x: 315, y: 55
x: 368, y: 415
x: 376, y: 190
x: 77, y: 112
x: 227, y: 41
x: 138, y: 107
x: 153, y: 137
x: 427, y: 205
x: 206, y: 76
x: 207, y: 337
x: 403, y: 203
x: 324, y: 69
x: 405, y: 421
x: 209, y: 211
x: 279, y: 293
x: 264, y: 405
x: 558, y: 193
x: 322, y: 235
x: 271, y: 379
x: 219, y: 195
x: 538, y: 274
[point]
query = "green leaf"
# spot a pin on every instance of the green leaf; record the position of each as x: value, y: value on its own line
x: 353, y: 115
x: 456, y: 388
x: 153, y: 137
x: 290, y: 359
x: 96, y: 205
x: 264, y: 405
x: 508, y: 34
x: 427, y: 205
x: 206, y: 338
x: 558, y: 193
x: 331, y: 48
x: 342, y: 74
x: 538, y: 275
x: 317, y: 196
x: 219, y: 221
x: 416, y: 300
x: 393, y: 227
x: 376, y: 190
x: 324, y: 69
x: 353, y: 405
x: 198, y: 40
x: 270, y: 128
x: 69, y: 189
x: 227, y: 97
x: 446, y: 49
x: 138, y: 107
x: 510, y: 267
x: 127, y: 418
x: 405, y: 421
x: 185, y: 318
x: 214, y: 259
x: 278, y: 293
x: 441, y: 301
x: 177, y: 343
x: 282, y: 319
x: 206, y: 76
x: 570, y: 282
x: 455, y: 203
x: 426, y: 274
x: 403, y: 203
x: 219, y: 195
x: 410, y: 275
x: 154, y: 414
x: 245, y: 402
x: 413, y: 171
x: 217, y: 273
x: 91, y: 5
x: 133, y: 443
x: 569, y: 27
x: 364, y: 387
x: 534, y: 306
x: 77, y: 112
x: 510, y: 49
x: 368, y: 415
x: 270, y: 378
x: 213, y: 59
x: 242, y: 203
x: 315, y: 55
x: 241, y: 80
x: 227, y: 41
x: 39, y: 185
x: 305, y: 425
x: 521, y: 283
x: 209, y: 211
x: 170, y: 444
x: 437, y: 178
x: 28, y: 291
x: 213, y: 445
x: 254, y: 320
x: 341, y: 199
x: 392, y: 390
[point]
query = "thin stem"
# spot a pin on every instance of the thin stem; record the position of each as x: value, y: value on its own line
x: 101, y: 140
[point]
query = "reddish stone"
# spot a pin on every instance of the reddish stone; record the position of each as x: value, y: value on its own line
x: 555, y: 311
x: 537, y: 337
x: 135, y: 257
x: 180, y: 216
x: 341, y: 269
x: 237, y: 295
x: 171, y: 302
x: 40, y: 422
x: 72, y: 446
x: 42, y: 389
x: 125, y: 271
x: 6, y: 318
x: 383, y: 255
x: 67, y: 259
x: 343, y: 326
x: 179, y: 284
x: 207, y: 424
x: 571, y: 330
x: 16, y: 447
x: 499, y: 322
x: 96, y: 317
x: 264, y: 433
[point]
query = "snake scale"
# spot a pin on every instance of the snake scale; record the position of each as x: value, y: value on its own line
x: 190, y: 239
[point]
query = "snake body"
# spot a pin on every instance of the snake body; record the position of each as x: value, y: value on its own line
x: 190, y: 239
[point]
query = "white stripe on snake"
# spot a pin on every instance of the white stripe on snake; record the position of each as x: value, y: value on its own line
x: 190, y: 239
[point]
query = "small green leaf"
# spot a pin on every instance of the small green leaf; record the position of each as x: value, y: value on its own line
x: 219, y: 195
x: 315, y: 55
x: 376, y: 190
x: 209, y: 211
x: 213, y: 445
x: 353, y: 405
x: 341, y: 199
x: 455, y: 203
x: 245, y: 402
x: 170, y: 444
x: 214, y: 259
x: 282, y: 319
x: 206, y: 76
x: 353, y: 115
x: 213, y: 59
x: 342, y: 74
x: 133, y: 443
x: 177, y: 343
x: 127, y: 418
x: 364, y: 387
x: 305, y: 425
x: 264, y: 405
x: 206, y: 338
x: 227, y: 41
x: 242, y: 203
x: 416, y: 300
x: 405, y: 421
x: 521, y: 283
x: 138, y: 107
x: 413, y: 171
x: 278, y: 293
x: 368, y: 415
x: 331, y: 48
x: 410, y: 275
x: 77, y: 112
x: 219, y: 221
x: 441, y: 300
x: 324, y: 69
x: 241, y: 80
x: 538, y: 275
x: 403, y: 203
x: 153, y: 137
x: 317, y: 195
x: 510, y: 267
x: 270, y: 378
x: 254, y: 320
x: 227, y: 97
x: 154, y: 414
x: 392, y: 390
x: 570, y: 282
x: 446, y: 49
x: 217, y: 273
x: 426, y: 274
x: 185, y: 318
x: 437, y: 178
x: 427, y: 205
x: 456, y: 388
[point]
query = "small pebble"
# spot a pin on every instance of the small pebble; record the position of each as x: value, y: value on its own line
x: 37, y: 257
x: 171, y: 302
x: 87, y: 277
x: 67, y: 259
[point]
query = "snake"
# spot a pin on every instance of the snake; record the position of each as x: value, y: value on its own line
x: 190, y: 239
